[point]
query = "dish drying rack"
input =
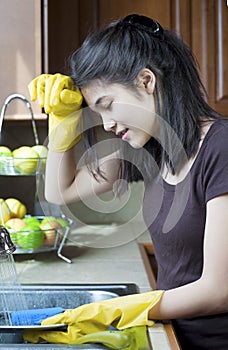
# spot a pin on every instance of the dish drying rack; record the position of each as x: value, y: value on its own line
x: 39, y: 173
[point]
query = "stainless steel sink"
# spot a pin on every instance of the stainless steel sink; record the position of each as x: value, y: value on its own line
x: 67, y: 297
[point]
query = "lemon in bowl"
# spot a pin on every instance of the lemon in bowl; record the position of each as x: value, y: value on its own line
x: 25, y: 160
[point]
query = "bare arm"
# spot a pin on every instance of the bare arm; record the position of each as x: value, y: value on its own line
x: 65, y: 183
x: 209, y: 294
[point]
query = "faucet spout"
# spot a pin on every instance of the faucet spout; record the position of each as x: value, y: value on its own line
x: 6, y: 245
x: 27, y: 104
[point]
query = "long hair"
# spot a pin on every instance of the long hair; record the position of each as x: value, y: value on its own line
x: 117, y: 54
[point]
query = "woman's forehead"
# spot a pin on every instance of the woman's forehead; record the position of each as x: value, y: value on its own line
x: 97, y: 90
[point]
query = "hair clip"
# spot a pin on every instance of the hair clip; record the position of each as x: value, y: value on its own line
x: 146, y: 22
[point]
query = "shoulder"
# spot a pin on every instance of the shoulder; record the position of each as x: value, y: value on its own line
x: 214, y: 153
x: 218, y: 128
x: 214, y: 160
x: 217, y: 137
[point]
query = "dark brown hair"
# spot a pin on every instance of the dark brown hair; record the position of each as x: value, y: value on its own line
x: 116, y: 54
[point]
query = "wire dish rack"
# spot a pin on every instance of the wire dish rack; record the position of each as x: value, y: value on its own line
x: 13, y: 165
x: 51, y: 239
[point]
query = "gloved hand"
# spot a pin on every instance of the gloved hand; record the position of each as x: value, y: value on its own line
x: 62, y: 101
x: 121, y: 313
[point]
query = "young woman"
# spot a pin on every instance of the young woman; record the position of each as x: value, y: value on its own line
x: 142, y: 81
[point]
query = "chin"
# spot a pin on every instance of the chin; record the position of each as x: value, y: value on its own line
x: 136, y: 145
x: 138, y: 140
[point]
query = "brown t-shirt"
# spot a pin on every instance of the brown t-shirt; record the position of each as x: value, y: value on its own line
x: 175, y: 217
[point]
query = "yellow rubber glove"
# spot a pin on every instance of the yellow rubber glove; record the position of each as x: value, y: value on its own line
x: 121, y: 313
x: 129, y: 339
x: 62, y: 101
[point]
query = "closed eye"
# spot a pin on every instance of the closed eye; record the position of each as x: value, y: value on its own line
x: 108, y: 106
x: 104, y: 103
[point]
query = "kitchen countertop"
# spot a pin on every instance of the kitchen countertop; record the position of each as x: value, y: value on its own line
x: 114, y: 264
x: 120, y: 264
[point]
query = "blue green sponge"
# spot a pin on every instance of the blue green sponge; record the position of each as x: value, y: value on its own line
x: 33, y: 316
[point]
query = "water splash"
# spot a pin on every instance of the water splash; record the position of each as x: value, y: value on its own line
x: 12, y: 297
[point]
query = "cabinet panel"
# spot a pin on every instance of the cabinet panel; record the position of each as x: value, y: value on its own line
x: 222, y: 54
x: 157, y: 9
x: 61, y: 32
x: 65, y: 26
x: 209, y: 23
x: 203, y: 40
x: 181, y: 19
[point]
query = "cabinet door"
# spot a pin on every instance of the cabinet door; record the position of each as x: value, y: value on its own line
x: 209, y: 43
x: 20, y: 46
x: 159, y: 10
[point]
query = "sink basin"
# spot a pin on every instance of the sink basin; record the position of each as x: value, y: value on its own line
x: 67, y: 297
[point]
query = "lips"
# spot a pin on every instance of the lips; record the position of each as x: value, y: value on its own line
x: 122, y: 133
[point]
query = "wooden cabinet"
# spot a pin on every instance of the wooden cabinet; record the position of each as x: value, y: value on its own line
x: 65, y: 26
x: 203, y: 24
x: 157, y: 9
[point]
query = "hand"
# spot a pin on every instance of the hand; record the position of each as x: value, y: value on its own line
x: 56, y: 94
x: 121, y: 313
x: 62, y: 101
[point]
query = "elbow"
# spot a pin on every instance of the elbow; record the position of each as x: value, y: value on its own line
x: 221, y: 298
x: 54, y: 198
x: 216, y: 297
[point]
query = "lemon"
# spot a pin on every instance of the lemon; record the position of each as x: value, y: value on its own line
x: 5, y: 159
x: 41, y: 150
x: 25, y: 160
x: 17, y: 208
x: 4, y: 212
x: 5, y: 151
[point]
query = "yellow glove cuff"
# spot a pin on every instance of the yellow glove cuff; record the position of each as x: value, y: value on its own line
x: 64, y: 132
x: 133, y: 309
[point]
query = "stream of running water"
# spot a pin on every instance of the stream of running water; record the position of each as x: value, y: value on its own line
x: 12, y: 297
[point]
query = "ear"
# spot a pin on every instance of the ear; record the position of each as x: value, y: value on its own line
x: 146, y: 80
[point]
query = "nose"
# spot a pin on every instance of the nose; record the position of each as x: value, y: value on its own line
x: 109, y: 125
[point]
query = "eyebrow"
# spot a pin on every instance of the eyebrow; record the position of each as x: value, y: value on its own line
x: 100, y: 99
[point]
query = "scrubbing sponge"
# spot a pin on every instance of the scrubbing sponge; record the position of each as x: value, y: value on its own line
x: 34, y: 316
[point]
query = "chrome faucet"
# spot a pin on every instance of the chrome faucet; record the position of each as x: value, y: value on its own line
x: 6, y: 245
x: 27, y: 104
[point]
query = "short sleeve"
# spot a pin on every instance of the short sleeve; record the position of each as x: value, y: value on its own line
x: 215, y: 179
